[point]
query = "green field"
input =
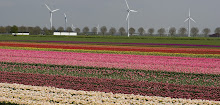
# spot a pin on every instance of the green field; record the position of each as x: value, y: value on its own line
x: 121, y: 39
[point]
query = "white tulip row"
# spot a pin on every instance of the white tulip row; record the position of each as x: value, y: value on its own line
x: 26, y: 94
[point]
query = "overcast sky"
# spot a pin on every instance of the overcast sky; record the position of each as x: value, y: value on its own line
x: 111, y: 13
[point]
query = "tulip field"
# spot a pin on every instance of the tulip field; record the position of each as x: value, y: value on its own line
x: 91, y: 72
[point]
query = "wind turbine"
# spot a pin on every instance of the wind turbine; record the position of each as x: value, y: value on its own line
x: 73, y: 27
x: 97, y: 29
x: 51, y: 15
x: 168, y: 29
x: 65, y: 20
x: 188, y: 19
x: 129, y: 10
x: 146, y: 31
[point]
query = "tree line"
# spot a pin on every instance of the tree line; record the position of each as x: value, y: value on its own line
x: 112, y: 31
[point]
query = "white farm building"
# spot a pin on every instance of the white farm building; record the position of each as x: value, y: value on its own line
x: 21, y: 33
x: 65, y: 33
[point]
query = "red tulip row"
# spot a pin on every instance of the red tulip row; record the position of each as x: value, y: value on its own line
x: 112, y: 85
x: 114, y: 48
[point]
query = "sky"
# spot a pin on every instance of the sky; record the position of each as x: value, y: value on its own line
x: 111, y: 13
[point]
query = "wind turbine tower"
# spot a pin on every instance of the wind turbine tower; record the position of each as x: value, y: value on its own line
x: 65, y: 20
x: 51, y: 15
x: 188, y: 19
x: 129, y: 10
x: 97, y: 29
x: 168, y: 29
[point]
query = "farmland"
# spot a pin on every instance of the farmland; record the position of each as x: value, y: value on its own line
x: 154, y: 70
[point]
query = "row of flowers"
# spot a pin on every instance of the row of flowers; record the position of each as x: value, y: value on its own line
x: 114, y: 48
x: 113, y: 85
x: 123, y: 61
x: 116, y: 52
x: 117, y: 43
x: 123, y: 74
x: 32, y: 95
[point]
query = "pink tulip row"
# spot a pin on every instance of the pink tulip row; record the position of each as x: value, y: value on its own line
x: 143, y: 62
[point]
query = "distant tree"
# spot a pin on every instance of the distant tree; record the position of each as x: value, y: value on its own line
x: 103, y: 30
x: 206, y: 31
x: 194, y: 31
x: 131, y: 31
x: 182, y: 31
x: 69, y: 29
x: 60, y: 29
x: 53, y: 29
x: 14, y: 29
x: 94, y: 30
x: 112, y: 30
x: 2, y: 29
x: 172, y: 31
x: 31, y: 30
x: 141, y: 31
x: 46, y: 31
x: 85, y: 30
x: 22, y: 29
x: 122, y: 30
x: 151, y: 31
x: 77, y: 30
x: 161, y: 31
x: 217, y: 30
x: 37, y: 30
x: 8, y: 29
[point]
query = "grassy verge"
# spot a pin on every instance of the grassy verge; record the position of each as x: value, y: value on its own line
x: 113, y: 73
x: 120, y: 39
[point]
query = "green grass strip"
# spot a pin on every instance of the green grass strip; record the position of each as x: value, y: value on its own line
x: 120, y: 39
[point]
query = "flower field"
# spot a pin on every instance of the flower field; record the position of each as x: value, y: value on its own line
x: 71, y: 72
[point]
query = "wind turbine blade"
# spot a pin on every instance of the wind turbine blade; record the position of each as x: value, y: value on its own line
x: 133, y: 11
x: 127, y: 4
x: 48, y: 7
x: 189, y: 12
x: 55, y: 10
x: 127, y: 16
x: 193, y: 20
x: 186, y: 19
